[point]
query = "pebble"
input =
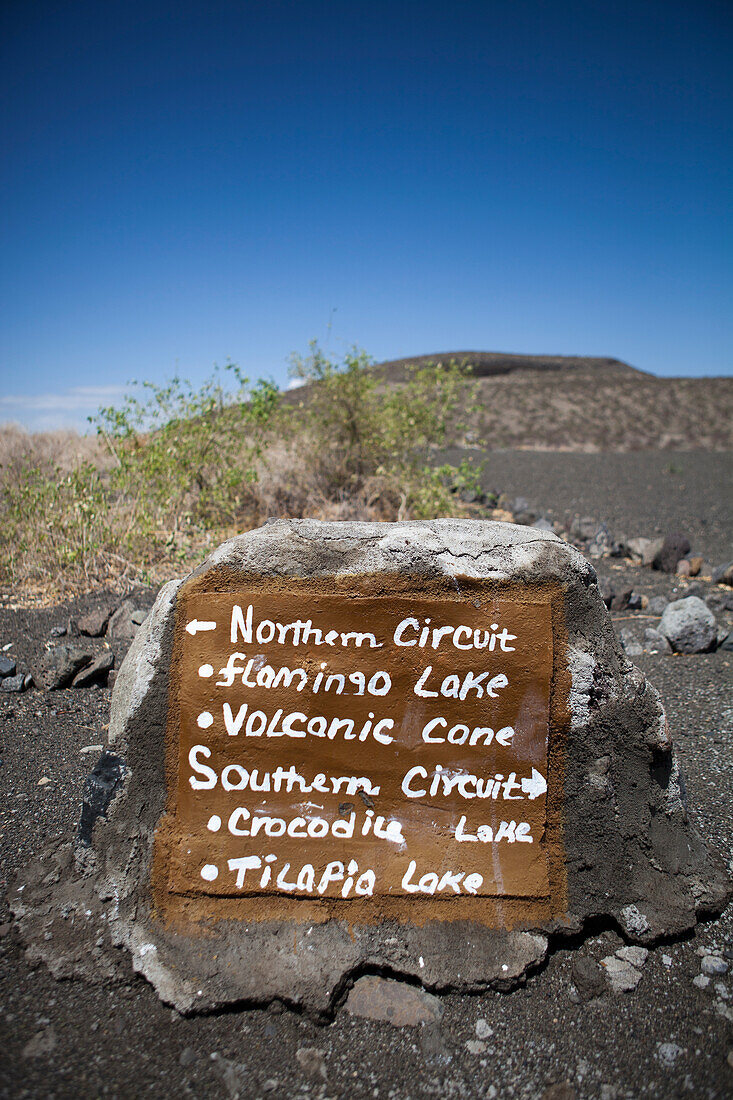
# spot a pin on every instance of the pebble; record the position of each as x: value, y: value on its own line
x: 312, y: 1061
x: 701, y: 981
x: 657, y: 605
x: 44, y: 1042
x: 629, y: 643
x: 623, y: 976
x: 667, y: 960
x: 714, y: 966
x: 14, y: 684
x: 483, y: 1031
x: 637, y: 956
x: 90, y: 749
x: 655, y: 642
x: 58, y: 631
x: 672, y: 550
x: 668, y: 1053
x: 7, y: 666
x: 188, y: 1057
x: 475, y: 1046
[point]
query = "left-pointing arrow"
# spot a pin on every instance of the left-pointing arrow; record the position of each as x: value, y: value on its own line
x: 535, y: 786
x: 199, y: 624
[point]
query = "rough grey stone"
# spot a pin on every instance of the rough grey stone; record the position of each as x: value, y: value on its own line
x: 96, y: 672
x: 628, y: 640
x: 14, y: 684
x: 672, y: 550
x: 714, y: 966
x: 689, y: 625
x: 637, y: 956
x: 723, y: 574
x: 94, y: 623
x: 587, y: 977
x: 7, y: 666
x: 397, y: 1003
x: 622, y: 975
x: 668, y: 1053
x: 655, y: 641
x: 121, y: 626
x: 60, y: 664
x: 482, y: 1029
x: 657, y: 605
x: 644, y: 550
x: 631, y: 856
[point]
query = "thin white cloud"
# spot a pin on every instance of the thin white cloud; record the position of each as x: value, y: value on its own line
x: 40, y: 412
x: 78, y: 397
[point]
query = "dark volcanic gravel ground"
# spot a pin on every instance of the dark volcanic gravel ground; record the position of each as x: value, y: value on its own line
x: 636, y: 493
x: 537, y: 1042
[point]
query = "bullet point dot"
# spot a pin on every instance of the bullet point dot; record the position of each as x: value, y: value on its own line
x: 204, y: 720
x: 206, y: 670
x: 209, y: 872
x: 214, y: 823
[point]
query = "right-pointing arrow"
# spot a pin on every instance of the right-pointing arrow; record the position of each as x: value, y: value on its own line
x: 535, y: 786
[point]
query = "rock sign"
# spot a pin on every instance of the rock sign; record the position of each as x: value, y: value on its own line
x: 415, y: 746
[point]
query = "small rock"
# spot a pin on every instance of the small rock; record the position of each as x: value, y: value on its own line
x: 670, y: 552
x: 637, y: 956
x: 621, y: 600
x: 714, y: 966
x: 7, y: 666
x: 723, y: 574
x: 683, y: 568
x: 188, y: 1057
x: 483, y: 1031
x: 13, y: 683
x: 543, y: 524
x: 635, y: 601
x: 96, y: 672
x: 726, y: 644
x: 629, y: 643
x: 93, y: 624
x: 655, y: 642
x: 43, y: 781
x: 587, y: 977
x: 701, y: 981
x: 689, y: 625
x: 696, y: 565
x: 563, y: 1090
x: 312, y: 1061
x: 60, y: 665
x: 433, y: 1045
x: 657, y: 605
x: 58, y: 631
x: 475, y: 1046
x: 623, y: 977
x: 666, y: 960
x: 111, y: 677
x: 139, y: 615
x: 121, y: 626
x: 89, y: 749
x: 397, y: 1003
x: 668, y: 1053
x: 45, y: 1042
x: 584, y: 530
x: 644, y: 550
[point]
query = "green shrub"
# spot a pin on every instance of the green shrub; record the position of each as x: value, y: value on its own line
x: 187, y: 467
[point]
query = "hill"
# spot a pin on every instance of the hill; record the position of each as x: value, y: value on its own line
x: 580, y: 403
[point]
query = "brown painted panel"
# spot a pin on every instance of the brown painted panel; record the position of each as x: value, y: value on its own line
x: 336, y: 746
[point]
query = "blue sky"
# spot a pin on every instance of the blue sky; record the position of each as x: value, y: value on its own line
x: 184, y: 183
